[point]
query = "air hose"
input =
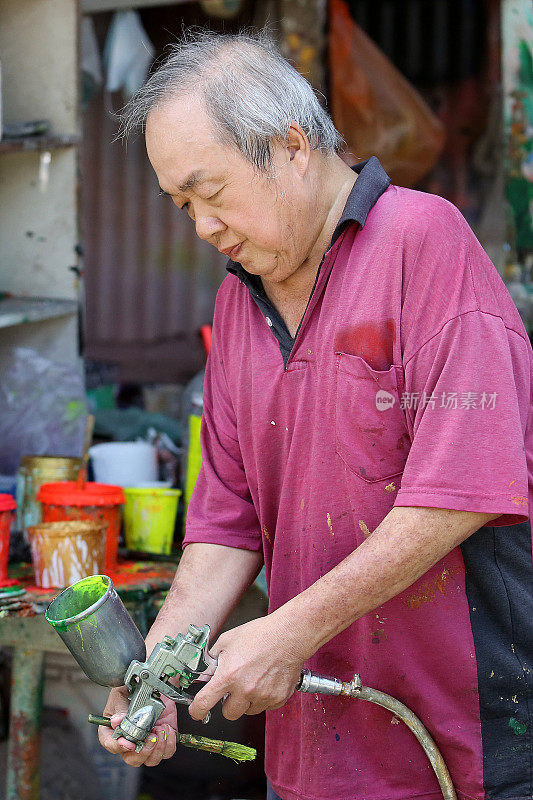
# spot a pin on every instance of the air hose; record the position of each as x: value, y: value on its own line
x: 319, y: 684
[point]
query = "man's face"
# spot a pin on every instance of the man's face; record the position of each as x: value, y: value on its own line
x: 265, y: 222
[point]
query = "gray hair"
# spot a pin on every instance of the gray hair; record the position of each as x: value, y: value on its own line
x: 251, y: 93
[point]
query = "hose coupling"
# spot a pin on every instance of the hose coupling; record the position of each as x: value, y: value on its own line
x: 319, y: 684
x: 353, y: 687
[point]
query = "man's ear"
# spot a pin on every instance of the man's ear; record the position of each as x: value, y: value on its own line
x: 298, y: 148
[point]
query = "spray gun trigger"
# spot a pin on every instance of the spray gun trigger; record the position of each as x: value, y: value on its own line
x: 211, y: 665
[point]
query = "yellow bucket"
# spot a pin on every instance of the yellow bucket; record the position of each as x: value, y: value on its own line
x: 149, y: 518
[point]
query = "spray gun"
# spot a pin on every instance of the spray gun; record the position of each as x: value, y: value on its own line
x: 185, y: 656
x: 94, y: 624
x: 99, y: 632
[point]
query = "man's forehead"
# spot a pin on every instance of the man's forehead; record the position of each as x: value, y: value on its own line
x: 187, y: 150
x: 182, y: 115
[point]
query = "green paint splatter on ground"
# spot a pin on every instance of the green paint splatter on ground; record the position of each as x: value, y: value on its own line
x: 519, y: 728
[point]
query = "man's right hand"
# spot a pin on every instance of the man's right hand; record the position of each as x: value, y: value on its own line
x: 161, y: 742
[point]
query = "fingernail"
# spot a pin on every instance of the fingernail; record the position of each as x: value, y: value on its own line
x: 165, y: 735
x: 154, y: 739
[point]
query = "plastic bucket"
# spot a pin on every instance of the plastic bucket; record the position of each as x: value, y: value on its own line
x: 95, y: 501
x: 33, y: 472
x: 7, y: 506
x: 124, y: 463
x: 94, y: 624
x: 65, y: 552
x: 149, y: 519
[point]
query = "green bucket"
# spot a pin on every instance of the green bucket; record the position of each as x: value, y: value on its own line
x: 149, y: 518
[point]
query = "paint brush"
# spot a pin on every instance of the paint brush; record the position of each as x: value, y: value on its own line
x: 87, y: 439
x: 237, y: 752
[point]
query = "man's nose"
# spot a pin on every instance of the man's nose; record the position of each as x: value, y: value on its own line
x: 208, y: 226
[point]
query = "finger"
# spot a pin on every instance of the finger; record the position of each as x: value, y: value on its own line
x: 169, y: 735
x: 206, y: 699
x: 157, y: 739
x: 235, y: 707
x: 267, y: 705
x: 257, y: 708
x: 212, y: 664
x: 117, y: 702
x: 114, y: 746
x: 116, y: 719
x: 138, y: 759
x: 275, y: 706
x: 123, y: 743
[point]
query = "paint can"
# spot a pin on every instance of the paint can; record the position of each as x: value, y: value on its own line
x: 149, y: 519
x: 94, y: 501
x: 33, y: 472
x: 7, y: 506
x: 65, y: 552
x: 124, y: 463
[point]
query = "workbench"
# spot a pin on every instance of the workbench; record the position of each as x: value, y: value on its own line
x: 142, y: 587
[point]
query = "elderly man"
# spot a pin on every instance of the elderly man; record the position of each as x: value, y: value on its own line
x: 366, y: 415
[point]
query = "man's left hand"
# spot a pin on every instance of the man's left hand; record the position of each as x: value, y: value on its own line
x: 258, y: 668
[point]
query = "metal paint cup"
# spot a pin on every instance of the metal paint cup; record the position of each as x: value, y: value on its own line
x: 94, y: 624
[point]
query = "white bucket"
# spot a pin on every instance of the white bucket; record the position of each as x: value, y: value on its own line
x: 124, y: 463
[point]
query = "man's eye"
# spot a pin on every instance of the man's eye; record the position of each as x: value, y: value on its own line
x: 212, y: 197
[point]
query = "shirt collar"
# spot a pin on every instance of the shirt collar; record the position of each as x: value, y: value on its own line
x: 372, y: 181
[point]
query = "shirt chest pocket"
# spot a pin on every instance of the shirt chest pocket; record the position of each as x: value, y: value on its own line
x: 370, y: 429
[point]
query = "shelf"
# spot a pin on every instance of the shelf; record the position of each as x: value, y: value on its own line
x: 19, y: 310
x: 38, y: 143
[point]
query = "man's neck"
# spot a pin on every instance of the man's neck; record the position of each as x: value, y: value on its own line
x: 291, y: 296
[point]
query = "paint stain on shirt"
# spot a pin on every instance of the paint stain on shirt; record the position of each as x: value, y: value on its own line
x: 430, y: 590
x: 372, y: 341
x: 518, y: 728
x: 364, y: 529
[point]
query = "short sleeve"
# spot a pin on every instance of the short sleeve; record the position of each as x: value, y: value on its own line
x: 467, y: 399
x: 221, y: 510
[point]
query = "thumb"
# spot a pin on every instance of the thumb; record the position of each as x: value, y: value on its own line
x: 117, y: 705
x: 117, y: 718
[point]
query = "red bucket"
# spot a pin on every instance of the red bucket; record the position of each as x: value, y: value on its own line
x: 7, y: 506
x: 96, y: 501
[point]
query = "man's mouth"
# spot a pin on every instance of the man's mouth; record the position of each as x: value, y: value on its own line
x: 232, y: 252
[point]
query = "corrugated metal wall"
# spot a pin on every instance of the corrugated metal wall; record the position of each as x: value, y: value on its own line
x: 428, y: 40
x: 150, y: 282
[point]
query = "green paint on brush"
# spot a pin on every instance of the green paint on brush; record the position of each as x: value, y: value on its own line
x: 237, y: 752
x: 519, y: 728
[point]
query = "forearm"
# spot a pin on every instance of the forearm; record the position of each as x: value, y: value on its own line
x: 208, y: 584
x: 407, y: 543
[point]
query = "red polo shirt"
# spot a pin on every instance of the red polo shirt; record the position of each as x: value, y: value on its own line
x: 408, y: 384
